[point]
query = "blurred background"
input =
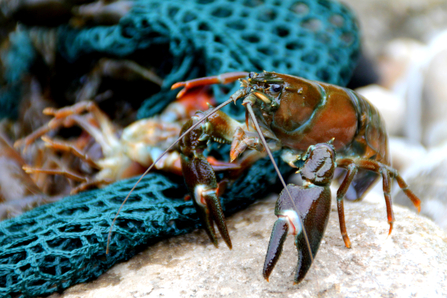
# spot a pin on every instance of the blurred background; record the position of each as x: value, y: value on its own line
x: 401, y: 71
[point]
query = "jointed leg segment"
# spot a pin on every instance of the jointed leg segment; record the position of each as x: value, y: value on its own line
x: 352, y: 165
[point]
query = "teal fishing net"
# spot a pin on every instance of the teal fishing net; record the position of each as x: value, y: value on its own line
x: 315, y: 39
x: 17, y: 62
x: 61, y: 244
x: 54, y: 246
x: 184, y: 40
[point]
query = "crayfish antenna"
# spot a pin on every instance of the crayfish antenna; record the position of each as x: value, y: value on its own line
x: 267, y: 149
x: 212, y: 112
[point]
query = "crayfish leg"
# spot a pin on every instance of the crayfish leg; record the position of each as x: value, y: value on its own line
x: 387, y: 194
x: 344, y: 186
x: 69, y: 147
x: 66, y: 173
x: 362, y: 182
x: 414, y: 199
x: 353, y: 165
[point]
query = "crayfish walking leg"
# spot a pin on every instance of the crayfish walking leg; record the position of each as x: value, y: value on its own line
x: 352, y: 165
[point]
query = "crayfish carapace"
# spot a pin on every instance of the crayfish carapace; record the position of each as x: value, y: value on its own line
x: 289, y: 113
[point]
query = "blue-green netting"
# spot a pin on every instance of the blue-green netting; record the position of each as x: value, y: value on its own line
x: 61, y: 244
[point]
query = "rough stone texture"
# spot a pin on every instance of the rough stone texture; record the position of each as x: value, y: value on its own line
x: 412, y: 262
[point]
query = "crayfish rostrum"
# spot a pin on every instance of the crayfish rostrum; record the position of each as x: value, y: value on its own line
x: 295, y: 115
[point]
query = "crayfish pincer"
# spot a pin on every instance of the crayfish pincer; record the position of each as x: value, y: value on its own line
x: 313, y: 201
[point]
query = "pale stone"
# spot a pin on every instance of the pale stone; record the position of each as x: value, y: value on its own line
x: 414, y: 73
x: 395, y: 61
x: 427, y: 177
x: 434, y: 102
x: 411, y: 262
x: 404, y: 153
x: 384, y: 20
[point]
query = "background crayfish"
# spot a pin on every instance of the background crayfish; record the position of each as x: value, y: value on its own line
x: 125, y: 152
x: 297, y: 116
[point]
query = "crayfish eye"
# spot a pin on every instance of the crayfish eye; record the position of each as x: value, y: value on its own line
x: 275, y: 88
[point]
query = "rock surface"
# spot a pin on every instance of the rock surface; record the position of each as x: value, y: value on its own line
x: 411, y: 262
x: 427, y: 177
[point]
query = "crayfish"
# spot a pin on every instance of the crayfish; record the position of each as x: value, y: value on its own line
x: 297, y: 116
x: 125, y: 152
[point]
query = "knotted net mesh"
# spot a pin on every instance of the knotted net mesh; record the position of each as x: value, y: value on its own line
x: 61, y: 244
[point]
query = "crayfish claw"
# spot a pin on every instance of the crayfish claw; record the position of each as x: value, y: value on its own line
x: 303, y: 211
x: 313, y: 204
x: 224, y: 78
x: 215, y: 215
x: 201, y: 181
x: 177, y: 85
x: 277, y: 239
x: 181, y: 93
x: 208, y: 205
x: 209, y: 226
x: 199, y: 172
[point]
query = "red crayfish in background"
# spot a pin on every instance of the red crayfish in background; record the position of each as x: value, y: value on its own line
x: 108, y: 151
